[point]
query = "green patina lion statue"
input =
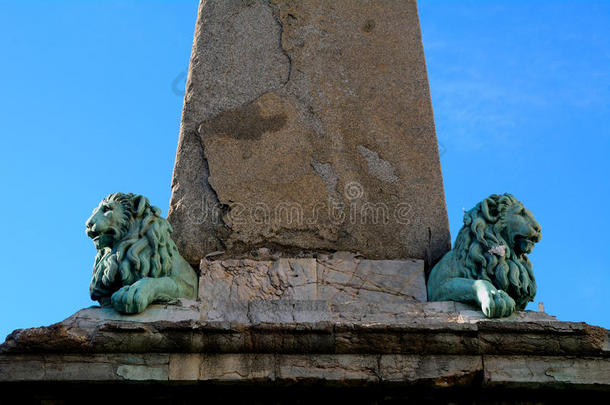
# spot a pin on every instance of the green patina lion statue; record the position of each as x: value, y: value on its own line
x: 488, y: 264
x: 137, y: 262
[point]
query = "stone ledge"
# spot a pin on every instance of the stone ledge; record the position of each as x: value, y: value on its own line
x: 428, y: 344
x: 343, y: 369
x: 444, y: 328
x: 84, y: 367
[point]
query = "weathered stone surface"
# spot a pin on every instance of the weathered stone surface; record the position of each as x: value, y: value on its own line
x: 246, y: 280
x: 185, y: 366
x: 349, y: 280
x: 79, y: 367
x: 539, y: 371
x: 443, y: 370
x: 307, y: 289
x: 177, y: 311
x: 307, y: 125
x: 347, y: 369
x: 236, y: 367
x: 307, y: 327
x: 283, y: 341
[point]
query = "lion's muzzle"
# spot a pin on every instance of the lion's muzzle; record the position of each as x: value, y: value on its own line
x: 101, y: 238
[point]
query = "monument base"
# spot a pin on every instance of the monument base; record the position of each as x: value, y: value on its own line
x: 428, y: 349
x: 354, y: 329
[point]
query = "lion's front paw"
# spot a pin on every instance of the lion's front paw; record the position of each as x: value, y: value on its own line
x: 132, y: 299
x: 494, y: 303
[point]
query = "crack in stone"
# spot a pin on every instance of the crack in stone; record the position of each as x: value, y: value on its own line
x: 277, y: 18
x: 224, y: 209
x: 353, y: 274
x: 301, y: 98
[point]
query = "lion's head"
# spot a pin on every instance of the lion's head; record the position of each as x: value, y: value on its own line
x: 497, y: 234
x: 132, y: 240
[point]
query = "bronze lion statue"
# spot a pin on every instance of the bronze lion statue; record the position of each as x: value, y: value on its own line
x: 488, y: 265
x: 137, y: 262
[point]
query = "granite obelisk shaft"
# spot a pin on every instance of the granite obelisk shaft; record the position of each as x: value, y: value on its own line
x: 308, y: 126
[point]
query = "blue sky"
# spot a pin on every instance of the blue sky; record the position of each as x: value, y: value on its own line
x: 92, y: 96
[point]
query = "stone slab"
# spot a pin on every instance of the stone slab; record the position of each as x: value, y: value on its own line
x: 308, y: 126
x: 79, y: 367
x: 349, y: 280
x: 307, y: 289
x: 541, y: 371
x: 346, y: 369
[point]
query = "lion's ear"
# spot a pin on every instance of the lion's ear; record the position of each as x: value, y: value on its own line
x: 489, y: 208
x: 139, y: 204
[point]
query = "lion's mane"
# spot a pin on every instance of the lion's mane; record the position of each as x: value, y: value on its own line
x: 482, y: 231
x: 143, y: 247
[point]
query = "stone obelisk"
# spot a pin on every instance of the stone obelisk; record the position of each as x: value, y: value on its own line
x: 308, y: 126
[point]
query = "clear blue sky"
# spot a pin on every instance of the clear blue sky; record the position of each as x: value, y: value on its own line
x: 91, y: 100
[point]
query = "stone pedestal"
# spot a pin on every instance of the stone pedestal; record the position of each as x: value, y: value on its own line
x: 261, y: 331
x: 308, y: 289
x: 308, y: 126
x: 308, y: 330
x: 443, y: 352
